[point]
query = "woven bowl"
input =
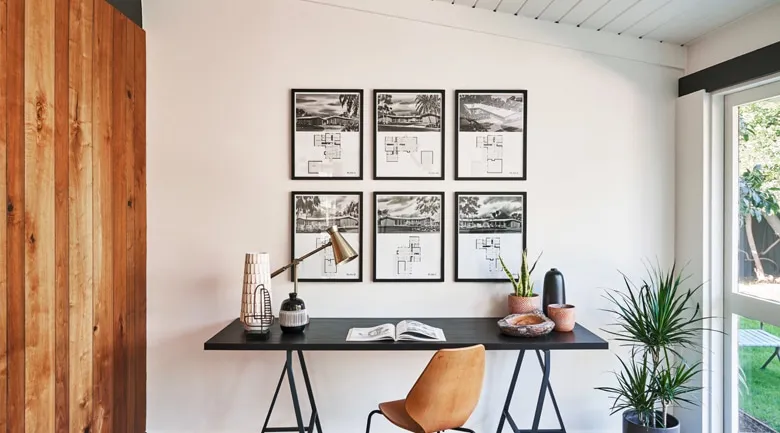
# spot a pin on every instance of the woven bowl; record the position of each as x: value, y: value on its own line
x: 533, y: 324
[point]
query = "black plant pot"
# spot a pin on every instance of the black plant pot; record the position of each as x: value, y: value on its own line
x: 631, y: 424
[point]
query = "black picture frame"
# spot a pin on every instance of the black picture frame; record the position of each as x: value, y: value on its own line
x: 377, y: 152
x: 442, y: 227
x: 293, y: 229
x: 458, y: 143
x: 294, y: 120
x: 457, y: 242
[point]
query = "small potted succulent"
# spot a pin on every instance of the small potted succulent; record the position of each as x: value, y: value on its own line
x: 523, y: 299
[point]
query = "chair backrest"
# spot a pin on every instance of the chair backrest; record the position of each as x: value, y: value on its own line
x: 448, y: 390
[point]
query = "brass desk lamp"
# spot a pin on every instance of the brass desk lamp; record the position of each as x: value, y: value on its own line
x: 293, y: 316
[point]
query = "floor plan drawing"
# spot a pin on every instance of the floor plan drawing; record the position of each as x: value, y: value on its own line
x: 328, y: 261
x: 492, y: 154
x: 331, y: 149
x: 492, y: 247
x: 395, y: 146
x: 408, y: 254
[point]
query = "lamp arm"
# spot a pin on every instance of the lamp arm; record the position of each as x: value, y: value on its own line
x: 297, y: 261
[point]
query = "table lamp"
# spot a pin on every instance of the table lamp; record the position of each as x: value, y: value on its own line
x: 293, y: 316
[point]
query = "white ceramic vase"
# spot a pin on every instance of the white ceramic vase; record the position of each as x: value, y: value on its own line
x: 257, y: 274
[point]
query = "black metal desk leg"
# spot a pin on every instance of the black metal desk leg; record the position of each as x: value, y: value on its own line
x: 505, y: 412
x: 550, y: 390
x: 542, y: 390
x: 315, y: 416
x: 273, y: 400
x: 294, y: 394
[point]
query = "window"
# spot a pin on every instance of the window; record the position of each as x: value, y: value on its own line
x: 752, y: 260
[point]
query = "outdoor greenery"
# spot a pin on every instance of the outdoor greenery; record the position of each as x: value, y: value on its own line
x: 655, y: 319
x: 523, y: 286
x: 759, y: 168
x: 760, y: 394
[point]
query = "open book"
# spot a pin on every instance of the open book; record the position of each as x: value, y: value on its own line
x: 405, y: 330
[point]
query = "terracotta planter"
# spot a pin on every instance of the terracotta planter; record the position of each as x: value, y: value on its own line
x: 522, y: 305
x: 562, y: 315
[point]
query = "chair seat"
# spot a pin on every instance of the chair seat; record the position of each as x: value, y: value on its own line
x: 395, y: 412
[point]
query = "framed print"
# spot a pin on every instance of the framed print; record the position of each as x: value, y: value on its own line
x: 408, y: 236
x: 490, y: 139
x: 327, y: 134
x: 489, y: 226
x: 409, y: 134
x: 313, y: 213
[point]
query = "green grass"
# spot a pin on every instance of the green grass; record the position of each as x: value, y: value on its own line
x: 760, y: 393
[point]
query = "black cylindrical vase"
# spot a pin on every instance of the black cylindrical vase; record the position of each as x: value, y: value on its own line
x: 554, y: 289
x: 293, y: 316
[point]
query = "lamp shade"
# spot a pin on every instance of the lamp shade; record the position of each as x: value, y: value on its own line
x: 342, y: 250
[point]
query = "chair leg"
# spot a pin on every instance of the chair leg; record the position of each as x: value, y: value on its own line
x: 368, y: 422
x: 463, y: 429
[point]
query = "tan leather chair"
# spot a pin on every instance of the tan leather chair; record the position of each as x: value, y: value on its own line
x: 444, y: 395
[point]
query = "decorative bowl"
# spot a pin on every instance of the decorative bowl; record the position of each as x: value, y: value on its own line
x: 534, y: 324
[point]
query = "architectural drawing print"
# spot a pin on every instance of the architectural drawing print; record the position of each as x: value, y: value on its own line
x: 491, y: 245
x: 406, y: 255
x: 491, y: 227
x: 408, y: 228
x: 492, y: 154
x: 331, y: 149
x: 395, y: 146
x: 329, y: 266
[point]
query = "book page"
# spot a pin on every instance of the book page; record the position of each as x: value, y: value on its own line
x: 381, y: 332
x: 414, y: 330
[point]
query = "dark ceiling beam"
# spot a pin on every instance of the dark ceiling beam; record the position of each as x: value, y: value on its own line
x: 130, y: 8
x: 753, y: 65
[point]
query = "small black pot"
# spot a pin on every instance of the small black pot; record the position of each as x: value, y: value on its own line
x: 631, y: 424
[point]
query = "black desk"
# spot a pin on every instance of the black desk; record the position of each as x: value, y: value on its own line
x: 331, y: 334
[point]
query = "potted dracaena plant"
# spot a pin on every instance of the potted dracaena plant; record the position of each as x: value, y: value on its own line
x: 523, y: 299
x: 655, y: 320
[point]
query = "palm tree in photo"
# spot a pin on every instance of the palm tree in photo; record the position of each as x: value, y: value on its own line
x: 350, y: 103
x: 468, y: 207
x: 428, y: 206
x: 428, y: 104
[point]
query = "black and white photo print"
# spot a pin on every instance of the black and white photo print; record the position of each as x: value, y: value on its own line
x: 409, y: 134
x: 408, y: 236
x: 490, y: 141
x: 489, y: 226
x: 313, y: 213
x: 327, y: 134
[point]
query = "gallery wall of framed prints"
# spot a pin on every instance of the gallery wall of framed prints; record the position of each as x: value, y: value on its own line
x: 490, y: 137
x: 408, y: 236
x: 312, y: 214
x: 489, y: 226
x: 327, y: 134
x: 409, y: 134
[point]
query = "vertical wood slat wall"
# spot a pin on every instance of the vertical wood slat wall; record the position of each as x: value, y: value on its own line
x: 72, y: 218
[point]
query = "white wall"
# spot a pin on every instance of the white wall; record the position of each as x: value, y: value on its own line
x: 600, y: 195
x: 740, y: 37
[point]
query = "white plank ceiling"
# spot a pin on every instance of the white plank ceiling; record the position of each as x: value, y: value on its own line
x: 669, y: 21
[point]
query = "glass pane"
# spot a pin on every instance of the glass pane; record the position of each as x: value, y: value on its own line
x: 758, y: 135
x: 759, y: 377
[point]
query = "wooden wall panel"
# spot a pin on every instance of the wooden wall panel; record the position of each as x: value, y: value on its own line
x: 73, y: 218
x: 15, y: 213
x: 139, y: 229
x: 80, y: 214
x: 61, y: 259
x: 3, y: 230
x: 39, y: 277
x: 103, y: 290
x: 119, y: 217
x: 130, y: 318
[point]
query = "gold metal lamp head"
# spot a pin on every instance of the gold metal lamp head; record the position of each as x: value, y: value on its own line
x: 342, y: 250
